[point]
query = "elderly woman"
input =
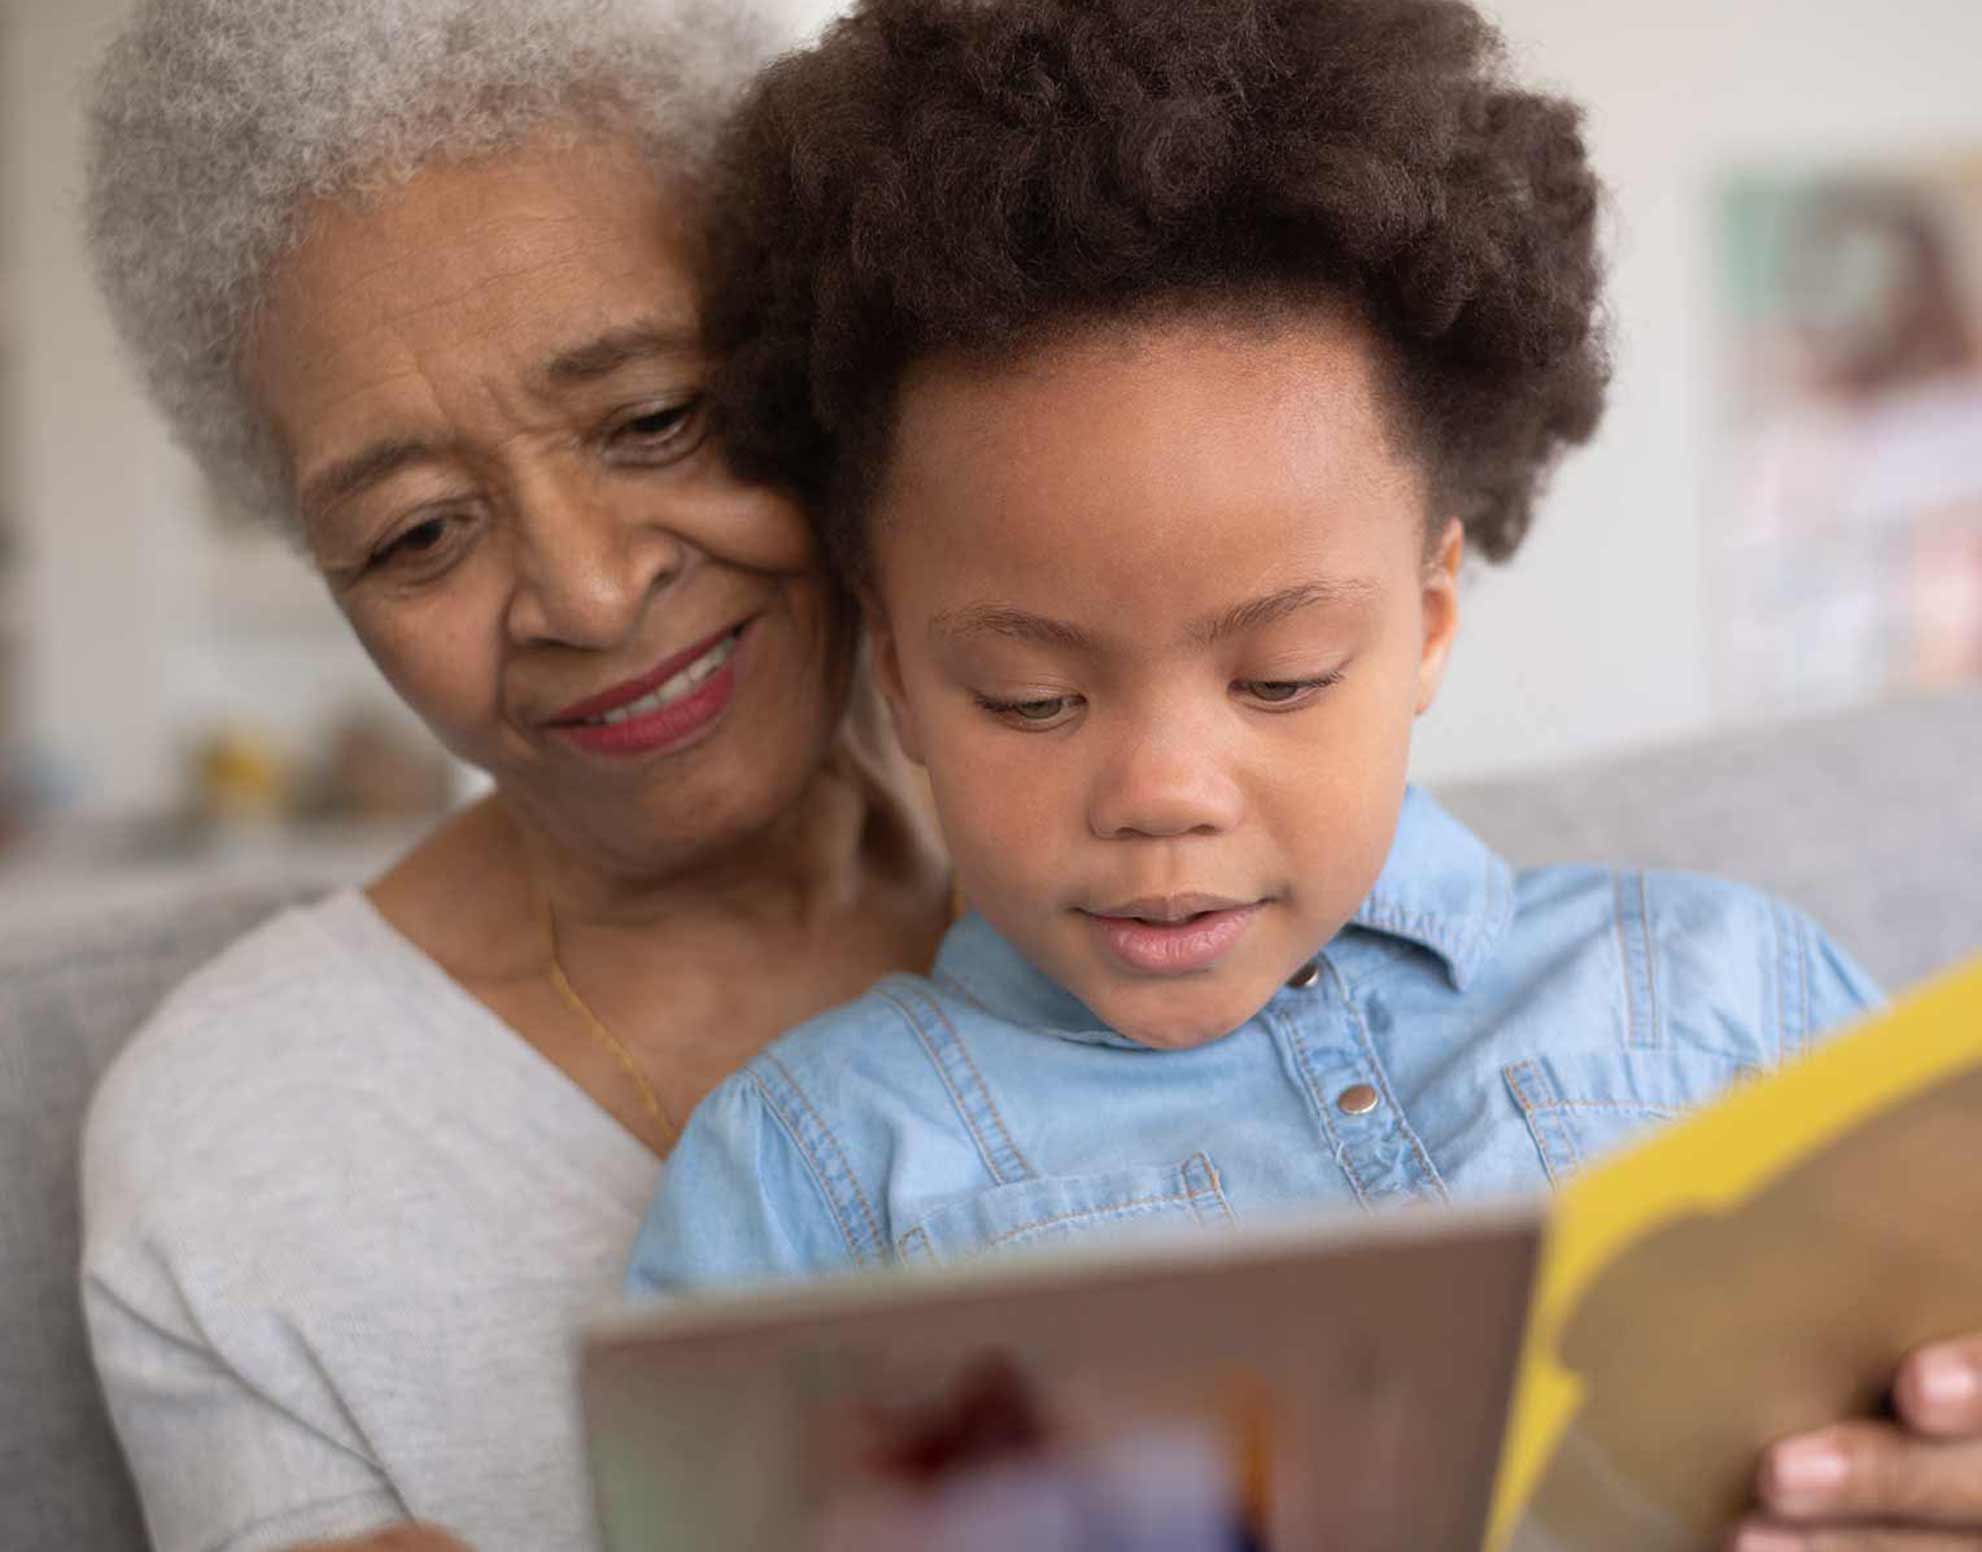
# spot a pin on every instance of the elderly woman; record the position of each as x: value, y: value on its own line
x: 414, y: 278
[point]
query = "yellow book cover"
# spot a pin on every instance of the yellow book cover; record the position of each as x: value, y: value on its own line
x: 1750, y: 1273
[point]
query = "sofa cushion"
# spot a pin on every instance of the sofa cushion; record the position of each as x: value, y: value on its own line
x: 1870, y: 820
x: 68, y: 1001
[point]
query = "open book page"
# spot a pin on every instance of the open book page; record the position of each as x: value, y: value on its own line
x: 1753, y: 1272
x: 1341, y: 1386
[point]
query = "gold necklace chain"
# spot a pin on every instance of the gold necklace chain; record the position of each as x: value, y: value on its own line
x: 600, y: 1032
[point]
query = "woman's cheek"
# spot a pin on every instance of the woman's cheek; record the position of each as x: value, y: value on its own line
x: 442, y: 667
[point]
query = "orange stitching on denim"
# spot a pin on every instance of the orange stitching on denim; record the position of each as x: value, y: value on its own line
x: 1403, y: 1121
x: 876, y: 1237
x: 811, y: 1164
x: 986, y: 1091
x: 1651, y: 952
x: 985, y: 1151
x: 1531, y: 1110
x: 1623, y: 957
x: 1217, y: 1188
x: 1664, y: 1112
x: 1803, y: 1013
x: 1294, y: 1040
x: 1114, y: 1209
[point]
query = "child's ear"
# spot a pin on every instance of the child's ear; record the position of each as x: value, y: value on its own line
x: 888, y: 674
x: 1441, y: 611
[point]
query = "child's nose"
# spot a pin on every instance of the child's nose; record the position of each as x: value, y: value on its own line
x: 1163, y: 788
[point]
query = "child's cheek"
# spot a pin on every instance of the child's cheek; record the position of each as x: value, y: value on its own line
x: 1009, y: 815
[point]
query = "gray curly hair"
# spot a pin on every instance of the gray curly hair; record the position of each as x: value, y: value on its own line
x: 214, y: 123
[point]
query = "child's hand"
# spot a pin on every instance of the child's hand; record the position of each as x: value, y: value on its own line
x: 1910, y: 1485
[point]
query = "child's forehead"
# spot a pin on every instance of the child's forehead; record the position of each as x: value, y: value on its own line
x: 1067, y: 622
x: 1184, y: 462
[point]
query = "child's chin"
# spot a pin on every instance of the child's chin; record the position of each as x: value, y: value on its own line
x: 1177, y: 1027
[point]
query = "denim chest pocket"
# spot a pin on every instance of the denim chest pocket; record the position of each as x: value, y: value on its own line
x: 1581, y: 1106
x: 1037, y: 1212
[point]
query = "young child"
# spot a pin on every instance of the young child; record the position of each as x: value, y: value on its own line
x: 1155, y: 366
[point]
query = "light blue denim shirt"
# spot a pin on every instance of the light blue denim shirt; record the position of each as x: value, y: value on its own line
x: 1472, y: 1032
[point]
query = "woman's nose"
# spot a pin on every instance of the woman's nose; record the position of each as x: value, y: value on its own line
x: 584, y: 567
x: 1164, y: 786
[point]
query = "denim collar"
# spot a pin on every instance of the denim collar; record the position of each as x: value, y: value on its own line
x: 1442, y: 890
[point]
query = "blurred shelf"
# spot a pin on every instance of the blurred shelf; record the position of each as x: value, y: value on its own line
x: 72, y: 871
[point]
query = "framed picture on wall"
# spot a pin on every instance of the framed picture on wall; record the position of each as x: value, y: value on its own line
x: 1850, y: 514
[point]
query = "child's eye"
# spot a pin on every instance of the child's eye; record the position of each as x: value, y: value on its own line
x: 1284, y: 693
x: 1048, y: 711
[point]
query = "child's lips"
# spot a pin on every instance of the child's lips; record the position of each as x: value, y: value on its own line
x: 1169, y: 937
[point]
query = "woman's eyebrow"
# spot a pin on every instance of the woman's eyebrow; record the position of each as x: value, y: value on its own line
x: 368, y: 466
x: 606, y: 354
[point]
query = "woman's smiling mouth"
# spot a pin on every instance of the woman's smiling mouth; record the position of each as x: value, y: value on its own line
x: 664, y: 709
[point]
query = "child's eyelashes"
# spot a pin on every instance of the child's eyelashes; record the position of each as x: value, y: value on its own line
x: 1286, y: 694
x: 1042, y: 713
x: 1032, y: 715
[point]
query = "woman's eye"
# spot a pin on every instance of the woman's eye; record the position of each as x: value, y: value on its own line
x: 657, y: 435
x: 421, y: 546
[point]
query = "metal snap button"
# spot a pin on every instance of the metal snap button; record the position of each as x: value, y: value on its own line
x: 1305, y: 977
x: 1357, y: 1099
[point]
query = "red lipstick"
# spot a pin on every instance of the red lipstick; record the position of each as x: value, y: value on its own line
x: 654, y: 712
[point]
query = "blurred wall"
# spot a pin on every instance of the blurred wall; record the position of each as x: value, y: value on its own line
x: 98, y: 543
x: 1596, y: 637
x: 141, y: 630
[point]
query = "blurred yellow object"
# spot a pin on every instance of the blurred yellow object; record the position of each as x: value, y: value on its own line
x: 1754, y: 1272
x: 239, y: 776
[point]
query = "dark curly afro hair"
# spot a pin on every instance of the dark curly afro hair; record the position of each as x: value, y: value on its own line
x: 973, y: 176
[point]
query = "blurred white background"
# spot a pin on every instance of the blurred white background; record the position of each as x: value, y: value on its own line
x: 127, y: 631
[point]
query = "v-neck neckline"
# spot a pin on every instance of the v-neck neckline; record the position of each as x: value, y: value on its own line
x: 424, y: 978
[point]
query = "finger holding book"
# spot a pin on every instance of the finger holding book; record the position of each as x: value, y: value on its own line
x: 1915, y: 1481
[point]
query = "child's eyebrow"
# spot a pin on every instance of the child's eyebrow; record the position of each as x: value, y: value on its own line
x: 1024, y: 625
x: 1264, y: 610
x: 1019, y: 624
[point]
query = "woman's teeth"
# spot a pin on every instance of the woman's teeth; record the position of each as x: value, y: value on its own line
x: 676, y: 688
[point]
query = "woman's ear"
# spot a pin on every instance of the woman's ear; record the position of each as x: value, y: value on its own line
x: 1441, y: 611
x: 888, y: 673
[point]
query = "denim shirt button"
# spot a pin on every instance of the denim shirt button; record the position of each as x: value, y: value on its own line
x: 1305, y: 977
x: 1356, y: 1099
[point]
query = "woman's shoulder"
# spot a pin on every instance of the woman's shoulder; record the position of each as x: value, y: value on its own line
x: 320, y: 1043
x: 290, y: 998
x: 304, y: 971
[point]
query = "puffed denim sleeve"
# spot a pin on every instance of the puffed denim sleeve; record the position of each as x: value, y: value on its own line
x: 1829, y: 988
x: 739, y: 1202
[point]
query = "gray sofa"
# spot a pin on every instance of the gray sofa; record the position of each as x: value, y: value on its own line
x: 1871, y: 821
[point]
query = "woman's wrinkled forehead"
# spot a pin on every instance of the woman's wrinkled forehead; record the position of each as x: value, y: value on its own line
x: 472, y: 288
